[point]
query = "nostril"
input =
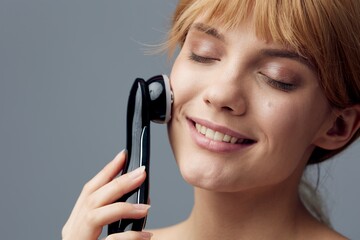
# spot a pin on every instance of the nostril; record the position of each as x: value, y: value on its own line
x: 207, y: 102
x: 227, y: 101
x: 227, y: 109
x: 224, y: 108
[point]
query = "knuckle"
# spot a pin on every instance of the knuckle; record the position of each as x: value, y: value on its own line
x: 119, y: 185
x: 119, y: 181
x: 90, y: 218
x: 119, y: 210
x: 122, y: 208
x: 87, y: 188
x: 90, y: 202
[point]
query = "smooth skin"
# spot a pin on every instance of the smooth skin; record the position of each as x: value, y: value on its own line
x: 95, y: 206
x: 253, y: 89
x: 234, y: 83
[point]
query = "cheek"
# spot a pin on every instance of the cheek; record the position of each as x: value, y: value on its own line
x: 185, y: 84
x: 279, y: 123
x: 282, y: 149
x: 279, y: 116
x: 293, y: 123
x: 180, y: 79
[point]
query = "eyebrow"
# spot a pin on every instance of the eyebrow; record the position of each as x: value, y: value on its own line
x: 281, y: 53
x: 208, y: 30
x: 287, y: 54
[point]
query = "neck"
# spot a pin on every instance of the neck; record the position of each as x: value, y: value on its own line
x: 269, y: 213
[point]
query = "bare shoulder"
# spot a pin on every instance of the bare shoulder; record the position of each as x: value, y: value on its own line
x: 313, y: 229
x: 326, y: 233
x: 171, y: 232
x: 322, y: 233
x: 308, y: 229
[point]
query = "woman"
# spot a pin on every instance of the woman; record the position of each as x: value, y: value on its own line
x: 262, y: 89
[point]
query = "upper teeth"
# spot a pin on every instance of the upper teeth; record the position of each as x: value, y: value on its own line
x: 214, y: 135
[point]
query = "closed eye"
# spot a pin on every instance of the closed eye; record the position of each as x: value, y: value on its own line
x: 201, y: 59
x: 283, y: 86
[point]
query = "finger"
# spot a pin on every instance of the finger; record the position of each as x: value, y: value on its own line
x: 116, y: 211
x: 117, y: 188
x: 130, y: 235
x: 108, y: 173
x: 104, y: 176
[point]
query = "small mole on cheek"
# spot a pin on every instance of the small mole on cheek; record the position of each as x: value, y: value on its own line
x: 269, y: 104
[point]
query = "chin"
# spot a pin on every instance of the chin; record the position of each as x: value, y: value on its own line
x: 207, y: 176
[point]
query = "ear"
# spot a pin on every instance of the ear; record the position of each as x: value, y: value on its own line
x: 343, y: 128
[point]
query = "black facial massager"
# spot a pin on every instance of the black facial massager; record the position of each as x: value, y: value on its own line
x: 148, y: 101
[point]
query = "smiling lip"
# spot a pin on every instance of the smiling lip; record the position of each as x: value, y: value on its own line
x: 217, y: 138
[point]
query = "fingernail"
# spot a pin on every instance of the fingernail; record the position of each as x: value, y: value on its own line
x: 137, y: 172
x: 141, y: 207
x: 124, y: 151
x: 117, y: 157
x: 146, y: 235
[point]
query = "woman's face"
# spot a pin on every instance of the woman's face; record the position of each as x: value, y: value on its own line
x: 247, y: 113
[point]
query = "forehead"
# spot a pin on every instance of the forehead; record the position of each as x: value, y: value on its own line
x: 271, y: 21
x: 268, y: 49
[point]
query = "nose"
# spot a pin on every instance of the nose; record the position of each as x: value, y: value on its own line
x: 226, y: 96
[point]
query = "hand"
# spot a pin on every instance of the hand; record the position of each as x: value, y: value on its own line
x: 96, y: 206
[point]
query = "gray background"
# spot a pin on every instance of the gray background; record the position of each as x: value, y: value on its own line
x: 65, y: 70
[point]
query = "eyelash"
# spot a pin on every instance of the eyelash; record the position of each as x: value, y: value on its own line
x: 286, y: 87
x: 200, y: 59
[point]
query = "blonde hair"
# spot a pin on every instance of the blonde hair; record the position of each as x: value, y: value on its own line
x: 327, y: 33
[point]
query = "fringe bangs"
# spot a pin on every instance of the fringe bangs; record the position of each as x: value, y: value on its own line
x: 320, y: 31
x: 274, y: 20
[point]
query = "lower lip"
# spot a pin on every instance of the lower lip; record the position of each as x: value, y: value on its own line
x: 211, y: 145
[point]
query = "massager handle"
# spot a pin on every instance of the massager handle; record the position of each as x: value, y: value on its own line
x: 138, y: 147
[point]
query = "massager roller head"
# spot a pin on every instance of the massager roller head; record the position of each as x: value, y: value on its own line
x: 161, y: 98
